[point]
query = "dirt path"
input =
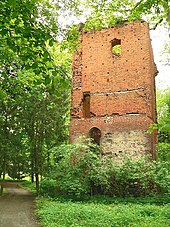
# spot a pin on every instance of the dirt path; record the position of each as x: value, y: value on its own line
x: 17, y: 207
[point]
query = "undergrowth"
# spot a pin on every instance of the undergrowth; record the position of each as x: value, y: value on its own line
x: 87, y: 189
x: 28, y: 186
x: 104, y: 212
x: 81, y: 169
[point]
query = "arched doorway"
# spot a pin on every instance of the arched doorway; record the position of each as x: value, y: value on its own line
x: 95, y: 134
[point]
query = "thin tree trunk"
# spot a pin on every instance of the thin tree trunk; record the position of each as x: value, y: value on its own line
x: 4, y: 155
x: 32, y: 168
x: 38, y: 151
x: 3, y: 177
x: 2, y: 188
x: 32, y: 177
x: 37, y: 183
x: 36, y: 162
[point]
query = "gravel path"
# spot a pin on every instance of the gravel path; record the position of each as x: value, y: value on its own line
x: 17, y: 207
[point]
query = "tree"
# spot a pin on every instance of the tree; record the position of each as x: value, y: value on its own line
x: 33, y: 82
x: 8, y: 118
x: 107, y: 13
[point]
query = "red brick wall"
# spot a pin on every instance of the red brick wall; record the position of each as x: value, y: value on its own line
x: 122, y: 92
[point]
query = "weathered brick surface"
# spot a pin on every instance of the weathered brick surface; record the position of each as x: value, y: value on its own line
x: 121, y: 88
x: 98, y: 105
x: 127, y: 102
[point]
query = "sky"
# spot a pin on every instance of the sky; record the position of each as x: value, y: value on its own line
x: 158, y: 39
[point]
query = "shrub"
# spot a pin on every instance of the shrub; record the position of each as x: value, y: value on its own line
x: 48, y: 187
x: 140, y: 177
x: 73, y: 163
x: 79, y: 170
x: 164, y: 152
x: 162, y: 176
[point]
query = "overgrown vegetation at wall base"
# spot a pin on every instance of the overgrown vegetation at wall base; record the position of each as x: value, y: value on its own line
x: 80, y: 170
x: 103, y: 213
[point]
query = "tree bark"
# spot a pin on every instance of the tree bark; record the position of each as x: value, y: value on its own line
x: 3, y: 176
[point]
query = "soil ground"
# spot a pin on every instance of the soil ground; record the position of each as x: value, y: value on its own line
x: 17, y: 207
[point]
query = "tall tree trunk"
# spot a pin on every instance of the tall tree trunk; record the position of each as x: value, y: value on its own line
x: 38, y: 153
x: 36, y: 162
x: 32, y: 177
x: 3, y: 176
x: 32, y: 167
x: 2, y: 188
x: 4, y: 154
x: 37, y: 172
x: 37, y: 183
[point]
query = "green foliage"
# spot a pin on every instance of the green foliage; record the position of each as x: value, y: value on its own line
x: 107, y: 13
x: 155, y: 10
x: 140, y: 177
x: 23, y: 35
x: 35, y: 80
x: 28, y: 185
x: 49, y: 187
x: 152, y: 127
x: 163, y: 109
x: 73, y: 164
x: 110, y: 212
x: 79, y: 170
x: 164, y: 151
x: 116, y: 50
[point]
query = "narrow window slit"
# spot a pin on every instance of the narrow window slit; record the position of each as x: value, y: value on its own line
x: 86, y: 104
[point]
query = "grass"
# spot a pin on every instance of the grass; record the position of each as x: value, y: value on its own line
x: 105, y: 212
x: 28, y: 186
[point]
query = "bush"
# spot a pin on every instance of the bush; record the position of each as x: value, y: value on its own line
x: 48, y: 187
x: 164, y: 152
x: 80, y: 169
x: 162, y: 176
x: 141, y: 177
x: 29, y: 185
x: 73, y: 163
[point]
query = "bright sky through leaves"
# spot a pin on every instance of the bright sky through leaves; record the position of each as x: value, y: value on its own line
x: 159, y: 37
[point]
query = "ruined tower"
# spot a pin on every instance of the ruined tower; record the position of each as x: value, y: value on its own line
x: 113, y: 91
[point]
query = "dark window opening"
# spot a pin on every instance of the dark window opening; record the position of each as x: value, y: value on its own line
x: 116, y: 47
x: 95, y: 134
x: 86, y: 104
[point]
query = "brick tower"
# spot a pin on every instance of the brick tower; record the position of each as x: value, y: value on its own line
x: 113, y: 91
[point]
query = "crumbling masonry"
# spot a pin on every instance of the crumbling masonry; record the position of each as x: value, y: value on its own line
x: 113, y: 92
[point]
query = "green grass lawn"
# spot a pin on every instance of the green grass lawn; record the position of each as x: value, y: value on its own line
x: 104, y: 212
